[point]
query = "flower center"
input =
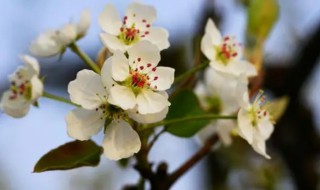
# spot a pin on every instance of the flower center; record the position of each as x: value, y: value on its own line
x: 141, y: 76
x: 130, y: 35
x: 257, y: 110
x: 109, y: 111
x: 228, y: 50
x: 20, y: 88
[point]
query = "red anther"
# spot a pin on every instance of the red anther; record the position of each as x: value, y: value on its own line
x: 136, y: 69
x: 154, y: 69
x: 234, y: 54
x: 155, y: 78
x: 143, y: 36
x: 121, y: 29
x: 149, y: 65
x: 148, y: 25
x: 139, y: 59
x: 264, y: 113
x: 155, y: 87
x: 125, y: 18
x: 144, y: 20
x: 226, y: 38
x: 141, y: 67
x: 146, y: 32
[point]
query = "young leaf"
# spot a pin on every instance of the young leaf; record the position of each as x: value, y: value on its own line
x: 277, y: 107
x: 184, y: 104
x: 70, y: 155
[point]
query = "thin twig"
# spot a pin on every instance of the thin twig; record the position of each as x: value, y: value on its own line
x: 194, y: 159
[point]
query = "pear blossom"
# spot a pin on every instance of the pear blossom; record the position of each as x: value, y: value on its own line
x: 54, y: 42
x: 25, y: 88
x: 136, y: 81
x: 224, y: 53
x: 221, y: 93
x: 119, y: 34
x: 255, y: 124
x: 89, y: 91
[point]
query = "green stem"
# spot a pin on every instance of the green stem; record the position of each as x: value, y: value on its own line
x: 190, y: 72
x: 84, y: 57
x: 58, y: 98
x: 190, y: 118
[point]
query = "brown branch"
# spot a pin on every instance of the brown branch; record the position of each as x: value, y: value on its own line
x: 194, y: 159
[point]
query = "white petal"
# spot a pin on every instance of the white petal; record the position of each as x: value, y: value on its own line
x: 201, y: 92
x: 67, y: 34
x: 120, y: 140
x: 148, y: 118
x: 112, y: 42
x: 245, y: 126
x: 16, y: 108
x: 84, y: 23
x: 106, y: 75
x: 36, y: 87
x: 259, y: 145
x: 242, y: 67
x: 213, y: 32
x: 165, y: 78
x: 82, y: 123
x: 110, y: 21
x: 137, y: 12
x: 207, y: 48
x: 151, y: 102
x: 265, y: 128
x: 119, y: 66
x: 87, y: 90
x: 122, y: 96
x: 159, y: 37
x: 45, y: 46
x: 142, y: 54
x: 224, y: 128
x: 31, y: 63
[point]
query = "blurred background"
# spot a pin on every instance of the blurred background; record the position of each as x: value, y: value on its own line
x: 291, y: 57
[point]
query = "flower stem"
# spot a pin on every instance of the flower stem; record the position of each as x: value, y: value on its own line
x: 84, y: 57
x: 190, y: 72
x: 189, y: 118
x: 58, y: 98
x: 194, y: 159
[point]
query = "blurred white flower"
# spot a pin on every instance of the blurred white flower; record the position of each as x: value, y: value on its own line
x: 25, y: 88
x: 136, y: 81
x: 225, y: 54
x: 222, y: 94
x: 54, y: 42
x: 119, y: 34
x: 255, y: 124
x: 90, y: 91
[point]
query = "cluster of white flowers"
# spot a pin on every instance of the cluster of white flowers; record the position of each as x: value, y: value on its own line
x: 130, y: 85
x: 131, y: 88
x: 225, y: 91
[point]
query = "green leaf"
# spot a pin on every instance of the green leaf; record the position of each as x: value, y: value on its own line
x: 277, y: 107
x: 71, y: 155
x: 262, y: 15
x: 184, y: 104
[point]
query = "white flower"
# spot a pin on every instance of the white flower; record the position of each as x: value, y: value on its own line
x: 224, y: 53
x: 255, y: 124
x: 54, y: 42
x: 135, y: 26
x: 136, y: 81
x: 25, y: 89
x: 89, y: 91
x: 221, y: 93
